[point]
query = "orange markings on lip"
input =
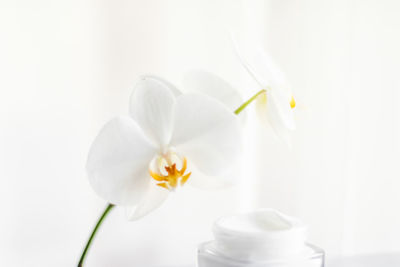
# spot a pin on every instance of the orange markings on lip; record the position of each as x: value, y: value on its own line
x: 174, y: 176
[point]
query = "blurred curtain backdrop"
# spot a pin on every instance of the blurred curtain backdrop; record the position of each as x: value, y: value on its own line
x: 69, y: 66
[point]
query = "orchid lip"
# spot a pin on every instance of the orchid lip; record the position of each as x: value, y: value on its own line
x: 169, y: 170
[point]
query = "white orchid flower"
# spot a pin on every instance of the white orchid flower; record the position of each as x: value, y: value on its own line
x: 276, y: 105
x: 169, y: 139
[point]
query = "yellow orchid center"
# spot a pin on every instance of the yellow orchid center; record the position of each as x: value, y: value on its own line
x: 168, y: 176
x: 292, y: 103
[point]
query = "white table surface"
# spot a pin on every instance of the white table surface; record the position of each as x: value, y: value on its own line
x: 375, y: 260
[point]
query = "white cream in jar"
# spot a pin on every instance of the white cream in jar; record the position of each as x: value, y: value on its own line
x: 257, y: 239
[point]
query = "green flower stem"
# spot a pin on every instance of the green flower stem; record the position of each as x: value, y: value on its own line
x: 101, y: 219
x: 251, y: 99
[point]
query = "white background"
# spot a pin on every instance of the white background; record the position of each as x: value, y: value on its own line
x: 66, y: 67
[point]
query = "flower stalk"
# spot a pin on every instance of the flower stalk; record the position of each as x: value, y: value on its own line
x: 89, y: 242
x: 251, y: 99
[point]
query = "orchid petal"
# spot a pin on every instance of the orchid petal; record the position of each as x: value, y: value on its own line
x: 175, y: 91
x: 207, y: 133
x: 259, y: 65
x: 280, y: 105
x: 213, y: 86
x: 202, y: 181
x: 269, y: 115
x: 206, y: 182
x: 154, y: 197
x: 152, y: 106
x: 118, y: 161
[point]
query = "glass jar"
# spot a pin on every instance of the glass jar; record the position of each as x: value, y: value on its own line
x: 264, y: 238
